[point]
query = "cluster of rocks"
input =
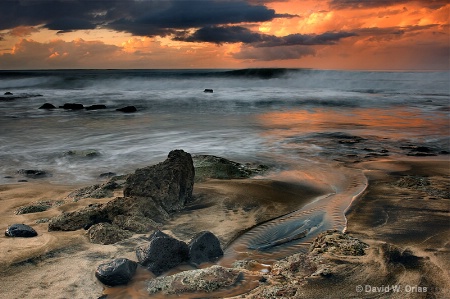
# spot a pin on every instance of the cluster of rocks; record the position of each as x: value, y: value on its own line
x: 160, y: 254
x: 151, y: 194
x: 78, y: 106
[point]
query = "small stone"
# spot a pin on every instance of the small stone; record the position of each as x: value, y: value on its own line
x: 20, y: 230
x: 117, y: 272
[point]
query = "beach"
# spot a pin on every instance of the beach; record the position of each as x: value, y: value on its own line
x: 62, y: 264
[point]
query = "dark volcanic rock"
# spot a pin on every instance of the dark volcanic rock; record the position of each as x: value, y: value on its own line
x: 106, y: 233
x: 127, y: 109
x: 72, y: 106
x: 47, y: 106
x: 204, y: 247
x: 95, y: 107
x: 208, y: 90
x: 33, y: 173
x: 20, y: 230
x: 203, y: 280
x: 8, y: 93
x: 162, y: 253
x: 117, y: 272
x: 207, y: 166
x: 169, y: 183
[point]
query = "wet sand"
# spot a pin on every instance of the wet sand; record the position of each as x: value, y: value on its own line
x: 392, y: 210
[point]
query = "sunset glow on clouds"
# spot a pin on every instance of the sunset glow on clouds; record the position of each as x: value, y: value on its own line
x: 325, y: 34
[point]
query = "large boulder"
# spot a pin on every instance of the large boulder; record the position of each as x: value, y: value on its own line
x: 117, y: 272
x: 106, y: 233
x: 162, y: 253
x: 169, y: 183
x: 204, y: 247
x: 202, y: 280
x: 20, y: 230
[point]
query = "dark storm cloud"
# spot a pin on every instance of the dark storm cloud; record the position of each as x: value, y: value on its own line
x: 136, y: 17
x: 222, y: 34
x: 234, y: 34
x: 358, y: 4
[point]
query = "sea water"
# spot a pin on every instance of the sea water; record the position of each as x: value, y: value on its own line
x: 285, y: 118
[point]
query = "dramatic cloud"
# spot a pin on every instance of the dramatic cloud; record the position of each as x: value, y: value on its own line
x: 147, y: 18
x: 235, y: 34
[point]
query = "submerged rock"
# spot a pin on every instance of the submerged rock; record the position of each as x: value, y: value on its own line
x: 162, y: 253
x: 127, y: 109
x: 20, y: 230
x: 204, y: 247
x: 47, y: 106
x: 89, y: 153
x: 212, y: 167
x: 106, y: 233
x: 203, y: 280
x: 169, y: 183
x: 33, y: 173
x: 72, y: 106
x: 95, y: 107
x: 117, y: 272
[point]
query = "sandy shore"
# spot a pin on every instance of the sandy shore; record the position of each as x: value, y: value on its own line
x: 406, y: 205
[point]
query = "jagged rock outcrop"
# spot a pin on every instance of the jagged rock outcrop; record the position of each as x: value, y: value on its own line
x: 169, y: 183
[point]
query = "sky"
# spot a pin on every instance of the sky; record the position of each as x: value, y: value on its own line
x: 227, y: 34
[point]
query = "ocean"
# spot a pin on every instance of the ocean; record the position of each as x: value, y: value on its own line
x: 282, y: 117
